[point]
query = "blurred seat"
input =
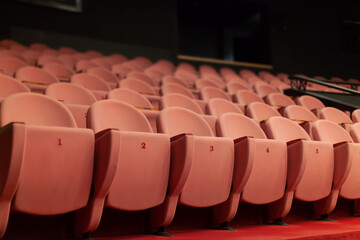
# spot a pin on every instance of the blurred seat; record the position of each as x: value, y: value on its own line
x: 96, y: 85
x: 47, y: 162
x: 77, y: 98
x: 245, y: 97
x: 9, y: 65
x: 46, y: 59
x: 61, y: 71
x: 84, y: 65
x: 10, y: 86
x: 234, y: 86
x: 310, y: 166
x: 66, y: 50
x: 219, y: 106
x: 260, y: 111
x: 201, y: 83
x: 337, y: 116
x: 205, y: 164
x: 302, y: 116
x: 39, y: 46
x: 311, y: 103
x: 279, y: 100
x: 143, y: 77
x: 104, y: 74
x: 35, y: 78
x: 355, y: 116
x: 208, y: 93
x: 260, y: 170
x: 132, y: 163
x: 120, y: 70
x: 263, y: 89
x: 172, y: 79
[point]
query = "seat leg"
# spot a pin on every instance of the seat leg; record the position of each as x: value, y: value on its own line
x: 280, y: 222
x: 225, y: 226
x: 161, y: 232
x: 325, y: 217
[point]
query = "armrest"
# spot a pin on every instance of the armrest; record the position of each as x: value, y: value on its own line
x: 182, y: 150
x: 339, y: 144
x: 242, y: 139
x: 104, y: 132
x: 12, y: 149
x: 294, y: 141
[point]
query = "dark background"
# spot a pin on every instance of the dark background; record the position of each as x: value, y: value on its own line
x: 315, y: 37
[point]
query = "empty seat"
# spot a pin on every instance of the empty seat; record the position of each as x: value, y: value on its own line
x: 208, y: 93
x: 10, y: 86
x: 101, y: 63
x: 46, y: 59
x: 302, y: 116
x: 132, y: 163
x: 9, y: 65
x: 244, y: 97
x: 219, y: 106
x: 355, y: 116
x: 205, y: 164
x: 260, y: 165
x: 61, y: 71
x: 105, y: 74
x: 263, y: 89
x: 137, y: 100
x: 310, y: 166
x: 39, y: 46
x: 311, y: 103
x: 96, y: 85
x: 143, y: 77
x: 260, y: 111
x: 172, y: 79
x: 176, y: 88
x: 234, y: 86
x: 66, y: 50
x: 84, y: 65
x: 47, y: 162
x: 347, y: 164
x: 120, y: 70
x: 31, y: 56
x: 201, y: 83
x: 337, y: 116
x: 35, y: 78
x: 279, y: 100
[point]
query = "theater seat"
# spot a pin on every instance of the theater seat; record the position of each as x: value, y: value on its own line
x: 46, y: 161
x: 131, y: 163
x: 9, y: 65
x: 310, y: 166
x: 279, y: 100
x: 337, y: 116
x: 311, y: 103
x: 206, y: 162
x: 260, y: 111
x: 355, y: 116
x: 302, y: 116
x: 260, y: 165
x: 96, y: 85
x: 10, y: 86
x: 244, y: 97
x: 35, y: 78
x: 219, y: 106
x: 208, y: 93
x: 61, y: 71
x: 104, y: 74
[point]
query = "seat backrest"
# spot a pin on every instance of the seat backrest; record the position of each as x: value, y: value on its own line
x: 208, y: 93
x: 143, y: 77
x: 83, y: 65
x: 90, y: 82
x: 46, y: 59
x: 335, y: 115
x: 201, y: 83
x: 34, y: 74
x: 175, y: 88
x: 219, y: 106
x: 137, y: 85
x: 9, y: 65
x: 172, y: 79
x: 237, y: 125
x: 35, y: 109
x: 70, y: 93
x: 260, y: 111
x: 10, y: 86
x: 103, y: 73
x: 120, y: 70
x: 264, y: 89
x: 61, y: 71
x: 115, y: 114
x: 328, y: 131
x: 244, y: 97
x: 284, y: 129
x: 129, y: 96
x: 355, y: 116
x: 177, y: 120
x: 355, y: 132
x: 279, y: 99
x: 296, y: 112
x: 233, y: 86
x: 309, y: 102
x: 179, y: 100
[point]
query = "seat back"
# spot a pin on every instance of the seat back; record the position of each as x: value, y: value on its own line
x: 355, y: 132
x: 234, y: 86
x: 309, y: 102
x: 70, y: 93
x: 34, y: 74
x: 46, y: 59
x: 10, y: 86
x: 244, y: 97
x: 355, y: 115
x: 260, y: 111
x: 172, y: 79
x: 137, y: 85
x: 219, y: 106
x: 264, y: 89
x: 208, y: 93
x: 129, y: 96
x: 110, y: 114
x: 335, y: 115
x: 83, y: 65
x: 328, y: 131
x: 177, y: 120
x: 90, y: 82
x: 9, y: 65
x: 179, y: 100
x: 295, y: 112
x: 143, y: 77
x: 279, y: 99
x: 237, y: 125
x: 35, y: 109
x: 175, y: 88
x: 201, y: 83
x: 284, y: 129
x: 61, y: 71
x: 104, y: 74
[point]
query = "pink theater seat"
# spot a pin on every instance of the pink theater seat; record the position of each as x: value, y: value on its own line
x: 260, y: 111
x: 39, y: 46
x: 10, y: 86
x: 310, y: 166
x: 204, y: 164
x: 169, y: 88
x: 245, y: 97
x: 101, y: 63
x: 208, y: 93
x: 201, y: 83
x: 143, y: 77
x: 264, y: 89
x: 46, y: 161
x: 35, y: 78
x: 66, y: 50
x: 311, y: 103
x: 132, y: 163
x: 179, y: 100
x: 355, y: 116
x: 260, y: 171
x: 279, y: 100
x: 31, y: 56
x: 187, y: 76
x: 8, y: 53
x: 154, y: 74
x: 120, y: 70
x: 77, y: 98
x: 104, y: 74
x: 84, y: 65
x: 68, y: 60
x: 337, y: 116
x: 9, y: 65
x: 61, y: 71
x: 96, y: 85
x: 219, y: 106
x: 46, y: 59
x: 172, y: 79
x: 302, y: 116
x: 347, y: 164
x: 137, y: 100
x: 235, y: 85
